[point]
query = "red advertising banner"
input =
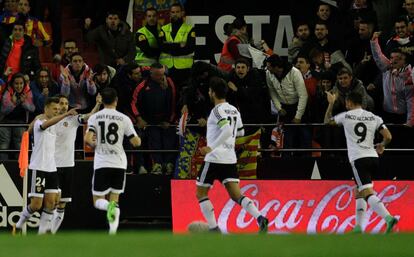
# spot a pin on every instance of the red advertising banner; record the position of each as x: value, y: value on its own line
x: 294, y: 206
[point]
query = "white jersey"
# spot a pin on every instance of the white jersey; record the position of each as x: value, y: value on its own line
x: 42, y: 157
x: 223, y: 114
x: 110, y: 127
x: 66, y: 130
x: 360, y: 127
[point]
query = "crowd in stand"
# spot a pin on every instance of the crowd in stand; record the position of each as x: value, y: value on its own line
x: 154, y: 73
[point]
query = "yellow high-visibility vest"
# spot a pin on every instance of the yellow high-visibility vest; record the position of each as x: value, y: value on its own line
x: 140, y: 58
x: 182, y: 61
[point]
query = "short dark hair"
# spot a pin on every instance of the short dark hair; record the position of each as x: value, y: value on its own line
x: 113, y: 12
x: 238, y: 23
x: 242, y: 60
x: 301, y: 23
x: 157, y: 65
x: 109, y: 95
x: 61, y: 96
x: 151, y: 9
x: 177, y: 5
x: 275, y: 61
x: 401, y: 18
x: 354, y: 97
x: 69, y: 40
x: 75, y: 54
x: 219, y: 87
x: 321, y: 22
x: 99, y: 68
x: 198, y: 68
x: 344, y: 70
x: 130, y: 67
x: 51, y: 100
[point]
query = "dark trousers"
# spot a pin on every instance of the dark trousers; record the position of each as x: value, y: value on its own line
x: 295, y: 136
x: 162, y: 139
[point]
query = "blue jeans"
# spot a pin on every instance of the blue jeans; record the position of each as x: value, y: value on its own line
x: 10, y: 138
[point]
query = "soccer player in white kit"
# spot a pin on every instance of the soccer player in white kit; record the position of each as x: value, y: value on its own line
x: 66, y: 131
x: 106, y: 130
x: 223, y: 126
x: 44, y: 184
x: 360, y: 127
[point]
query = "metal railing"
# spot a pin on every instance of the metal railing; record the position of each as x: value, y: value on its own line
x: 404, y: 150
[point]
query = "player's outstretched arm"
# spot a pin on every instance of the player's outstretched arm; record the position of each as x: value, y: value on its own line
x: 331, y: 97
x: 58, y: 118
x: 95, y: 108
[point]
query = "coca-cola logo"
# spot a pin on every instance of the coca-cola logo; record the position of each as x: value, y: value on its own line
x: 306, y: 206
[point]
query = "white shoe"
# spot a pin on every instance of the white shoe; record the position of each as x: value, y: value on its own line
x: 113, y: 226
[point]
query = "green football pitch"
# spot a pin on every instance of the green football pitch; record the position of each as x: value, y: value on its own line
x: 154, y: 244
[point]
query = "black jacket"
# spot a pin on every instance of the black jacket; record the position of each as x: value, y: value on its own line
x: 29, y: 61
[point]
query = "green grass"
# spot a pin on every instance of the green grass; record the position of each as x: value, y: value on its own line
x: 154, y: 244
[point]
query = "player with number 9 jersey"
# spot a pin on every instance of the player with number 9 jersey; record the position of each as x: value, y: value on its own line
x: 360, y: 127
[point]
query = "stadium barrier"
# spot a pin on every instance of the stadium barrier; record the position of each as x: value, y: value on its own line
x: 146, y: 203
x: 294, y: 206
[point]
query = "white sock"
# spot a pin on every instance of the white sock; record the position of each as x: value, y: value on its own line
x: 208, y: 211
x: 360, y: 212
x: 24, y: 216
x: 377, y: 206
x: 249, y: 206
x: 57, y: 220
x: 113, y: 226
x: 101, y: 204
x: 45, y: 220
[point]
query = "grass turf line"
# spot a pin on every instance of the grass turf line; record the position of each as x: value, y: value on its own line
x: 157, y: 244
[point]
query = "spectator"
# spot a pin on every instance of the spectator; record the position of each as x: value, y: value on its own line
x: 33, y: 27
x: 69, y: 48
x: 17, y: 103
x: 230, y: 52
x: 324, y: 61
x: 154, y: 103
x: 103, y: 75
x: 18, y: 54
x: 43, y: 86
x: 323, y: 44
x: 147, y: 39
x: 10, y: 7
x: 402, y: 39
x: 77, y: 84
x: 288, y: 93
x: 247, y: 86
x: 195, y: 99
x: 345, y: 84
x: 311, y: 83
x: 299, y: 40
x: 54, y: 16
x: 409, y: 8
x: 359, y: 54
x: 177, y: 46
x: 330, y: 17
x: 397, y: 84
x: 126, y: 80
x: 114, y: 41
